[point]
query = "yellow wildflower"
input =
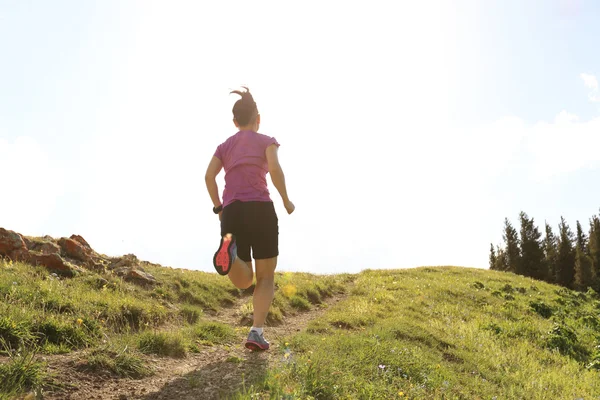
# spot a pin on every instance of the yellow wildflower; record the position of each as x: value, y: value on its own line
x: 289, y: 290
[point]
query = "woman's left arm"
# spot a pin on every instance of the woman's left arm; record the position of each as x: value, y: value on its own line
x: 214, y: 167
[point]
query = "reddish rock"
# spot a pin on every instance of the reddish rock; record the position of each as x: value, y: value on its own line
x: 75, y: 250
x: 135, y: 275
x: 49, y: 248
x: 141, y: 276
x: 128, y: 260
x: 43, y: 246
x: 12, y: 244
x: 28, y: 242
x: 52, y: 254
x: 81, y: 241
x: 96, y: 266
x: 53, y: 262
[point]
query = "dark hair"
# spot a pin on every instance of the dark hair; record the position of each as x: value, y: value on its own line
x: 244, y: 110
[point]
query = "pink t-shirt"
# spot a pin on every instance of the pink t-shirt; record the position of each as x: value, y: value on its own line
x: 245, y: 162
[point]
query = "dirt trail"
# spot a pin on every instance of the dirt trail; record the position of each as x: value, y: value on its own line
x: 210, y: 374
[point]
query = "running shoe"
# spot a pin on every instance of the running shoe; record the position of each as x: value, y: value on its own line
x: 256, y: 342
x: 225, y: 256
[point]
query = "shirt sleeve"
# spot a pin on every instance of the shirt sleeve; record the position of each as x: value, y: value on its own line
x: 218, y: 152
x: 271, y: 140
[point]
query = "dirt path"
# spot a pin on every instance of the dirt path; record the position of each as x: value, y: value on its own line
x: 212, y: 374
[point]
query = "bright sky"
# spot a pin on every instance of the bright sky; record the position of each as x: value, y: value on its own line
x: 408, y: 130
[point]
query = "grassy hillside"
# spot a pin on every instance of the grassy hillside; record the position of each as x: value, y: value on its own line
x: 445, y: 333
x: 425, y: 333
x: 117, y: 322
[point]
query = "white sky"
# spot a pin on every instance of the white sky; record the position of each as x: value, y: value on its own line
x: 362, y: 98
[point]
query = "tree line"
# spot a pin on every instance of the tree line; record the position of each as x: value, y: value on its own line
x: 567, y: 258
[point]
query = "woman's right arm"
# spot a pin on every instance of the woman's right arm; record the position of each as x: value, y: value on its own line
x: 214, y: 167
x: 277, y: 177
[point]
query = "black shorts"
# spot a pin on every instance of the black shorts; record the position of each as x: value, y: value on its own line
x: 255, y: 225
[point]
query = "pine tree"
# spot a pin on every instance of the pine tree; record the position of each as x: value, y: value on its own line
x: 583, y: 263
x: 493, y: 258
x: 532, y: 255
x: 594, y: 250
x: 501, y: 263
x: 565, y: 261
x: 550, y: 254
x: 512, y: 252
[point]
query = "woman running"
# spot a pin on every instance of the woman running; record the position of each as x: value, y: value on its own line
x: 247, y: 215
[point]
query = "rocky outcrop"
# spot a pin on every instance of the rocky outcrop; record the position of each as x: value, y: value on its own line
x: 44, y: 247
x: 53, y: 262
x: 75, y: 250
x: 136, y: 275
x: 128, y: 260
x: 129, y: 268
x: 69, y: 256
x: 81, y: 241
x: 12, y: 245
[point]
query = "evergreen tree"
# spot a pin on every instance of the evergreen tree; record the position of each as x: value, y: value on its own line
x: 493, y: 258
x: 532, y: 255
x: 512, y: 252
x: 583, y: 263
x: 594, y: 250
x: 565, y: 261
x: 501, y: 263
x: 550, y: 254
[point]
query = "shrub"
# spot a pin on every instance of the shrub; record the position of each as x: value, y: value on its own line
x: 213, y: 332
x: 478, y: 285
x: 564, y: 339
x: 541, y: 308
x: 76, y: 334
x: 191, y: 315
x: 591, y: 321
x: 162, y: 344
x: 13, y: 333
x: 313, y: 296
x: 299, y: 303
x: 507, y: 288
x: 493, y: 327
x: 21, y: 373
x: 123, y: 364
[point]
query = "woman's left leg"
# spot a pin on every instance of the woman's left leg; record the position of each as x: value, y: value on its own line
x: 264, y: 290
x: 241, y: 274
x: 263, y: 297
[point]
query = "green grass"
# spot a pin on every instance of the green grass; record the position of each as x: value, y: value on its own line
x: 445, y: 333
x: 170, y: 344
x: 425, y: 333
x: 21, y: 373
x: 117, y: 322
x: 298, y: 292
x: 58, y: 315
x: 212, y: 333
x: 123, y: 363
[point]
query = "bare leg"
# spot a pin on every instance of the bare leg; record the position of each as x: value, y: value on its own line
x: 241, y: 274
x: 264, y: 290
